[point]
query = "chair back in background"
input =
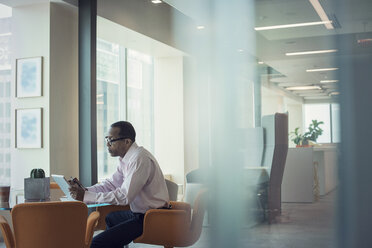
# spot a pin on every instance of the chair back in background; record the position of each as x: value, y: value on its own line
x: 253, y: 146
x: 172, y: 190
x: 50, y: 224
x: 195, y: 181
x: 275, y: 155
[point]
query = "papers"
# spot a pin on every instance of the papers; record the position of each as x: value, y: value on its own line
x: 63, y: 184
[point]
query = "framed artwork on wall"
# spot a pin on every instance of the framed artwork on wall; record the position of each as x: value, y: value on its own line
x: 29, y: 128
x: 29, y: 75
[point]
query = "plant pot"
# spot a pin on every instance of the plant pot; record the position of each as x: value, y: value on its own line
x: 299, y: 146
x: 37, y: 188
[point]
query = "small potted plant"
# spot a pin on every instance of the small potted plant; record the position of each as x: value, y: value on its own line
x: 312, y: 135
x: 37, y: 186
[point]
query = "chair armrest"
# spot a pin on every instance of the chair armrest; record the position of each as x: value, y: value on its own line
x: 163, y: 226
x: 91, y: 224
x: 105, y: 210
x: 7, y: 233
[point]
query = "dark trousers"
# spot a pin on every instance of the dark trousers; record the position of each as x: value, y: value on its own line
x: 122, y: 228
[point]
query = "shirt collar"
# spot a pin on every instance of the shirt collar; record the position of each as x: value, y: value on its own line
x: 129, y: 153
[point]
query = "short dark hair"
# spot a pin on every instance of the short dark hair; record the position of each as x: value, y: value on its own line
x: 126, y: 130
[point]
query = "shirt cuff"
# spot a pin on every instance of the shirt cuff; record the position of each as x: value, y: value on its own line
x: 89, y: 197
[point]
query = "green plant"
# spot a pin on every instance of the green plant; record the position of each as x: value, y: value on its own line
x: 314, y: 132
x: 37, y: 173
x: 296, y: 136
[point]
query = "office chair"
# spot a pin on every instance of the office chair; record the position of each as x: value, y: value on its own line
x: 274, y: 158
x: 174, y: 227
x: 49, y: 224
x: 105, y: 210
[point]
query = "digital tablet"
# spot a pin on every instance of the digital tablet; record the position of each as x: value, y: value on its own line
x: 63, y: 184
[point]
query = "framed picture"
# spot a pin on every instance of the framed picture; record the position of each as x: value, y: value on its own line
x: 28, y: 128
x: 29, y: 73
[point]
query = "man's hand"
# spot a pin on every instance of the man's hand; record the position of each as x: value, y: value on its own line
x: 77, y: 192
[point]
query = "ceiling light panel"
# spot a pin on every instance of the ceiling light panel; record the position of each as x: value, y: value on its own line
x: 322, y: 14
x: 328, y: 81
x: 307, y: 87
x: 322, y: 69
x: 311, y: 52
x: 294, y: 25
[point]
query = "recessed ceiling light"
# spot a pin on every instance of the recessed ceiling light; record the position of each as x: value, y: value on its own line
x: 307, y: 87
x: 294, y: 25
x: 156, y: 1
x: 321, y: 69
x: 240, y: 50
x: 328, y: 81
x: 322, y: 14
x: 334, y: 93
x: 312, y: 52
x: 261, y: 62
x: 200, y: 27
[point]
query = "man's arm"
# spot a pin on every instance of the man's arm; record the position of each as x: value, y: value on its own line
x: 109, y: 184
x: 80, y: 193
x: 138, y: 173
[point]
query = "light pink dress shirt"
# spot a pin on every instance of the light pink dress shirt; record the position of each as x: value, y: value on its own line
x: 138, y: 181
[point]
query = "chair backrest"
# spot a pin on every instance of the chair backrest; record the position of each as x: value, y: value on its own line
x: 200, y: 206
x: 50, y: 224
x: 172, y: 190
x: 253, y: 146
x: 275, y: 155
x: 196, y: 176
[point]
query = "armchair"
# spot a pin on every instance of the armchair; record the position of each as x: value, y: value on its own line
x: 174, y: 227
x: 49, y: 224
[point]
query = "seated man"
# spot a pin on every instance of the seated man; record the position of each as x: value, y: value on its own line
x: 138, y: 181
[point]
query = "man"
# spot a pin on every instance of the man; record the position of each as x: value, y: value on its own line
x: 138, y: 181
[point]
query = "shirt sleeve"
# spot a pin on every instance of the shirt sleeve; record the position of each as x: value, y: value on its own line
x: 139, y: 172
x: 106, y: 186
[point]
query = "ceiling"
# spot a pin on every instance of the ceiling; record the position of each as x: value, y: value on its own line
x: 355, y: 22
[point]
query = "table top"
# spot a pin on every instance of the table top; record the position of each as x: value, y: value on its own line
x: 9, y: 205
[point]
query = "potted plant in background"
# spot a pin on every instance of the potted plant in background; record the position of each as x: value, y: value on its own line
x: 312, y: 135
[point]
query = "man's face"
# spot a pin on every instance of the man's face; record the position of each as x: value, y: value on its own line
x: 117, y: 147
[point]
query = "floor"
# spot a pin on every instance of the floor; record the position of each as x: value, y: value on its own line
x: 301, y: 226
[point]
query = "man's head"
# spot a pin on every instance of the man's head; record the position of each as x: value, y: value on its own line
x: 120, y: 137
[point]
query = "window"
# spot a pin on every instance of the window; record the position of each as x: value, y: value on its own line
x: 329, y: 114
x: 140, y: 97
x: 335, y: 117
x: 5, y: 78
x: 124, y: 92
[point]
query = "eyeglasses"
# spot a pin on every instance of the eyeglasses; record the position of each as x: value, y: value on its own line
x: 110, y: 141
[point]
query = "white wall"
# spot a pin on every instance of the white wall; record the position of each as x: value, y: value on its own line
x: 168, y: 116
x: 31, y: 30
x: 48, y: 30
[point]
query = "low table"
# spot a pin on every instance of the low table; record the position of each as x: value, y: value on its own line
x: 9, y: 205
